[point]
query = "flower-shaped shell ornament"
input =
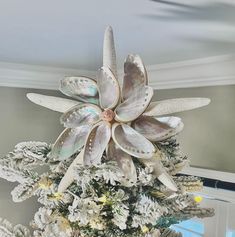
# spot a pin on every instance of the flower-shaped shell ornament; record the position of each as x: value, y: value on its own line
x: 116, y: 117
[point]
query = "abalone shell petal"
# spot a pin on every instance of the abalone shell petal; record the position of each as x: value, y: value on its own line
x: 132, y: 142
x: 81, y: 88
x: 135, y: 105
x: 135, y: 75
x: 69, y: 142
x: 109, y: 92
x: 158, y: 129
x: 82, y: 114
x: 96, y: 143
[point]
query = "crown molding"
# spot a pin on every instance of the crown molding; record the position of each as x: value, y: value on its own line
x: 36, y: 77
x: 211, y: 71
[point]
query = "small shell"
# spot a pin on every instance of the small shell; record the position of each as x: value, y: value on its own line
x: 131, y: 141
x: 81, y: 88
x: 160, y: 173
x: 109, y: 91
x: 135, y: 105
x: 51, y: 102
x: 171, y: 106
x: 83, y: 114
x: 70, y: 141
x: 158, y: 129
x: 135, y: 75
x: 124, y: 161
x: 96, y: 143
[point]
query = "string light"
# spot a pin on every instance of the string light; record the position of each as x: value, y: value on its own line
x: 145, y: 229
x: 198, y: 199
x: 57, y: 196
x: 103, y: 199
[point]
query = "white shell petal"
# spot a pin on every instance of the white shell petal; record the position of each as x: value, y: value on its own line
x: 70, y: 141
x: 68, y: 178
x: 135, y: 75
x: 109, y: 91
x: 83, y: 114
x: 131, y: 141
x: 135, y: 105
x: 109, y: 54
x: 124, y: 161
x: 158, y: 129
x: 160, y: 173
x: 51, y: 102
x: 81, y: 88
x: 96, y: 143
x: 170, y: 106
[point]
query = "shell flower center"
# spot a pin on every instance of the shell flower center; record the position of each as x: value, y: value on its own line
x: 107, y: 115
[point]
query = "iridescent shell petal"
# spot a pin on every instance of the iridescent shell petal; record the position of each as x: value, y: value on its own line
x: 135, y: 105
x: 109, y: 91
x: 160, y: 172
x: 51, y: 102
x: 82, y: 114
x: 158, y: 129
x: 135, y: 75
x: 131, y: 142
x: 124, y: 161
x: 69, y: 142
x: 68, y: 178
x: 96, y: 143
x: 171, y: 106
x: 81, y: 88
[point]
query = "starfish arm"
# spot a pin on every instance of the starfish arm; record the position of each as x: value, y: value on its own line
x: 171, y: 106
x: 109, y: 54
x: 51, y: 102
x: 160, y: 172
x: 69, y: 175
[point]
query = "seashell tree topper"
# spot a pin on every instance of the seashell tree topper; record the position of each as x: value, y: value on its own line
x: 113, y: 167
x: 114, y: 116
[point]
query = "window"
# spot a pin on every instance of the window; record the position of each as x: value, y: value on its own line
x: 231, y: 233
x: 190, y: 228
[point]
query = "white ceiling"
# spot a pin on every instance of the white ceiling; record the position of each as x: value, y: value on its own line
x: 70, y: 33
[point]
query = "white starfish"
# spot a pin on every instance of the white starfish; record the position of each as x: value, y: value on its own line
x: 123, y: 121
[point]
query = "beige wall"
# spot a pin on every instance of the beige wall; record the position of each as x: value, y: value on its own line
x: 21, y: 120
x: 208, y: 137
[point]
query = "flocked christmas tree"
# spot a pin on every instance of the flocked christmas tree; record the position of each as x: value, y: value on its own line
x: 113, y: 170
